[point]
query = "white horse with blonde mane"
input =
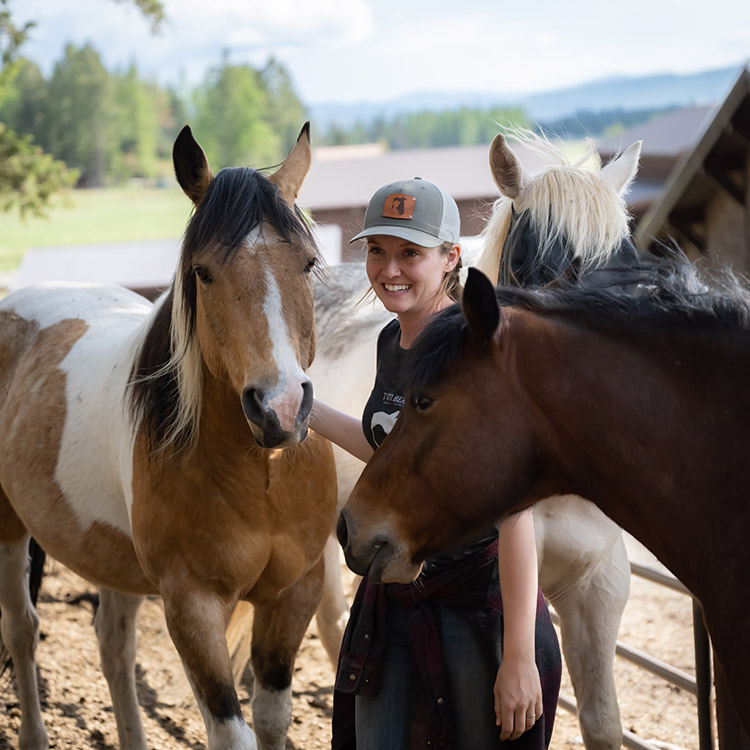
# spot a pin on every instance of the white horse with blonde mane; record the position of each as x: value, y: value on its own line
x: 579, y: 216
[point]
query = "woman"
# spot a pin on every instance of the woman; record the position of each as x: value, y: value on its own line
x: 440, y: 662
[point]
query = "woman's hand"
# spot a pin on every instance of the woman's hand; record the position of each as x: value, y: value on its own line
x: 518, y: 696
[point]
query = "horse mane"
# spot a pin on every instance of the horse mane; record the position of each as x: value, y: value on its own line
x: 672, y: 295
x: 166, y: 383
x: 565, y: 200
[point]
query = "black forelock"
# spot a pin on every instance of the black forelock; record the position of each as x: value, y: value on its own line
x: 238, y: 200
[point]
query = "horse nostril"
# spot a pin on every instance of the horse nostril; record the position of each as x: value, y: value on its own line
x: 252, y: 404
x: 342, y: 532
x: 307, y: 400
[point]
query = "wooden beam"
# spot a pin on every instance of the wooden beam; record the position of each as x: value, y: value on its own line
x: 682, y: 215
x: 739, y: 133
x: 725, y: 182
x: 740, y: 122
x: 687, y: 233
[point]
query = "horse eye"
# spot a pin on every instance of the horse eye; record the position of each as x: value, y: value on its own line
x: 203, y: 275
x: 421, y: 402
x: 311, y: 264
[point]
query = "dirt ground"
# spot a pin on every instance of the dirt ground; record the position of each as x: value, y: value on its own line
x: 78, y: 715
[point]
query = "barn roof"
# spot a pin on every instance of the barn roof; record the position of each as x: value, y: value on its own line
x: 670, y: 133
x: 462, y: 171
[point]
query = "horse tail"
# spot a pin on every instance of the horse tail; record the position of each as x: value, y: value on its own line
x: 239, y: 637
x: 37, y: 558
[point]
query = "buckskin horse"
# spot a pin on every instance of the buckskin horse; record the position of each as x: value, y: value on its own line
x: 163, y: 450
x: 639, y: 402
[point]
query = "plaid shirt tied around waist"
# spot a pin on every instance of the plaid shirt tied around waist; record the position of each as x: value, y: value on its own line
x: 471, y: 584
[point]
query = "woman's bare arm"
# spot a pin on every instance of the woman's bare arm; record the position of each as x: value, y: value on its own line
x: 340, y: 428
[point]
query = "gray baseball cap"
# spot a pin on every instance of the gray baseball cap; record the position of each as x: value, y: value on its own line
x: 414, y: 210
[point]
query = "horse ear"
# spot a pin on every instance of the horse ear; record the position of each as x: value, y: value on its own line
x: 191, y: 166
x: 480, y: 306
x: 620, y: 171
x: 508, y: 173
x: 291, y: 174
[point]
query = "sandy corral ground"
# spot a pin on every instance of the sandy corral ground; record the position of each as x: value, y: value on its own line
x: 77, y: 708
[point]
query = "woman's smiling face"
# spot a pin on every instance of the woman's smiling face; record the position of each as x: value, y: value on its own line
x: 406, y: 277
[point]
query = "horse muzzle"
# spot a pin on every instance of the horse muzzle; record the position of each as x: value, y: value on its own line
x: 374, y: 556
x: 278, y: 421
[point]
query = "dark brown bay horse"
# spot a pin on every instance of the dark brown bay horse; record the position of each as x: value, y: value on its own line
x: 164, y: 450
x: 640, y: 403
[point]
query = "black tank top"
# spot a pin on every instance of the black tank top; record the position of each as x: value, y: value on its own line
x: 380, y: 413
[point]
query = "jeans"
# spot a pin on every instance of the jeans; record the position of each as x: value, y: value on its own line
x: 382, y: 722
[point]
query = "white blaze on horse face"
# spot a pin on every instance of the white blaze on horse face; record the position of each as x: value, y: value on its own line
x: 285, y: 399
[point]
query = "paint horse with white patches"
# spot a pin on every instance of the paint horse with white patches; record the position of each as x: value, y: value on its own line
x: 164, y: 450
x: 584, y: 571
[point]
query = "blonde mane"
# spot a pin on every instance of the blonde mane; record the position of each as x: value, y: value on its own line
x: 564, y: 199
x: 186, y: 364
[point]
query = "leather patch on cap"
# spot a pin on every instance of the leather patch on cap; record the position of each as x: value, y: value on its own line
x: 399, y: 206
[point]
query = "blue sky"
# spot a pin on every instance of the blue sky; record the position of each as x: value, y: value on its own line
x: 358, y: 50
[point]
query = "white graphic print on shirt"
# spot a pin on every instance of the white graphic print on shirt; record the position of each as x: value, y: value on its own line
x: 383, y: 420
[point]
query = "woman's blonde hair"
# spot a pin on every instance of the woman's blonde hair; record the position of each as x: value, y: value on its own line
x: 451, y: 285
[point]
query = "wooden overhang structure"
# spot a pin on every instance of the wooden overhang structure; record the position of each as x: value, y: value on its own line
x: 705, y: 204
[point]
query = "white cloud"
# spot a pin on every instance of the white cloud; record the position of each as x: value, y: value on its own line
x: 195, y: 34
x: 349, y: 50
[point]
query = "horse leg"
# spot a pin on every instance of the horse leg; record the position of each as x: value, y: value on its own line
x: 585, y: 574
x: 331, y: 616
x: 19, y: 626
x: 197, y: 619
x: 115, y: 626
x: 333, y: 610
x: 278, y: 630
x: 589, y: 638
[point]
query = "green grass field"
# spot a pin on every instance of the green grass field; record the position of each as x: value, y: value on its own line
x: 91, y: 216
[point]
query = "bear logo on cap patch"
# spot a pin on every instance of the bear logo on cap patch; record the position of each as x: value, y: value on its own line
x: 399, y: 206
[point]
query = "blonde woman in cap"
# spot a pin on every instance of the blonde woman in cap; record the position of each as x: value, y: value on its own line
x: 444, y: 662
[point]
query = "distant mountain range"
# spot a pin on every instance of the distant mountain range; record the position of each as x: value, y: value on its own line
x: 625, y: 93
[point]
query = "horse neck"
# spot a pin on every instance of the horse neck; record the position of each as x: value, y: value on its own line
x: 622, y: 429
